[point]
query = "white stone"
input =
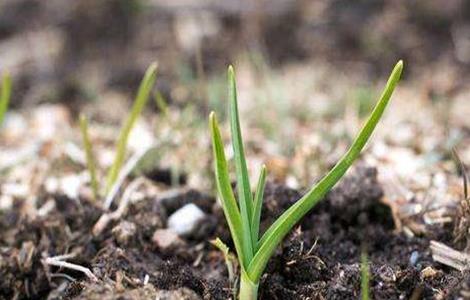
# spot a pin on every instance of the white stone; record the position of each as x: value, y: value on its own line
x: 70, y: 186
x: 185, y: 220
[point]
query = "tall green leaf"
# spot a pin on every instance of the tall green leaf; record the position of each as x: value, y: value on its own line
x: 90, y: 160
x: 5, y: 96
x: 229, y: 204
x: 278, y: 230
x: 245, y: 199
x: 141, y: 99
x: 258, y: 202
x: 365, y: 275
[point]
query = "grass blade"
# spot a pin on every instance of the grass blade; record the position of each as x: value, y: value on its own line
x: 90, y: 160
x: 229, y: 204
x: 365, y: 274
x: 5, y: 96
x: 141, y: 99
x: 245, y: 197
x: 274, y: 235
x: 258, y: 201
x: 161, y: 104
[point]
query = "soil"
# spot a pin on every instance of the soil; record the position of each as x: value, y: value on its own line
x: 318, y: 260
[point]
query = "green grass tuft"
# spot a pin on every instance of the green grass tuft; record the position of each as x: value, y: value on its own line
x: 90, y: 160
x: 141, y: 99
x: 365, y: 276
x: 244, y: 217
x: 5, y: 95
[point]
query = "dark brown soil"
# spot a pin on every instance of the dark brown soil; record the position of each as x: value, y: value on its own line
x: 319, y: 259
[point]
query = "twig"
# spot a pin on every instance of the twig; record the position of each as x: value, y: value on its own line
x: 64, y: 256
x: 104, y: 220
x: 63, y: 275
x: 56, y: 261
x: 449, y: 257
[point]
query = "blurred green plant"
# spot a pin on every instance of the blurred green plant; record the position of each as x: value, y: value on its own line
x: 365, y: 276
x: 90, y: 160
x: 243, y: 217
x: 5, y: 95
x: 364, y: 98
x: 161, y: 104
x: 141, y: 99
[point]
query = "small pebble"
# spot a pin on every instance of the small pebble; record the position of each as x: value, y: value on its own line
x: 428, y: 272
x: 186, y: 219
x: 414, y: 258
x: 70, y: 186
x: 123, y: 232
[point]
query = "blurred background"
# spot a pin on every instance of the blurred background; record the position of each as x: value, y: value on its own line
x: 308, y: 74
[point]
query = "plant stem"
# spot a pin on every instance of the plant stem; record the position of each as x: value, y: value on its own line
x: 90, y: 160
x: 248, y: 289
x: 139, y: 103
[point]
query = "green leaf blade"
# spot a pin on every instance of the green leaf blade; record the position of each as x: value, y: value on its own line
x: 243, y: 181
x: 258, y: 202
x: 5, y: 95
x: 365, y: 276
x: 141, y: 99
x: 90, y: 160
x: 278, y: 230
x: 229, y: 204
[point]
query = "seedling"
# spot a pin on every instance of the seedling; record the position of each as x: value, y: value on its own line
x: 141, y: 99
x: 244, y: 218
x: 90, y: 160
x: 230, y: 261
x: 5, y: 95
x: 365, y: 275
x: 161, y: 103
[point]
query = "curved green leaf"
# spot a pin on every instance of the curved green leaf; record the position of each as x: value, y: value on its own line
x: 5, y: 95
x: 90, y: 160
x: 257, y: 206
x: 140, y: 100
x: 229, y: 204
x: 278, y: 230
x: 245, y: 198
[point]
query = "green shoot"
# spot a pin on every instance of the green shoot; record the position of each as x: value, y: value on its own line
x: 229, y: 258
x: 141, y: 99
x: 365, y: 275
x: 243, y: 183
x: 5, y: 96
x: 161, y: 104
x: 258, y: 202
x: 244, y: 218
x: 90, y: 161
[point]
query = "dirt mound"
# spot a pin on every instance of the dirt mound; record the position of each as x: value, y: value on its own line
x: 318, y: 260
